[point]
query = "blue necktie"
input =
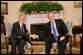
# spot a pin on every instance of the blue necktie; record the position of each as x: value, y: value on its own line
x: 54, y: 32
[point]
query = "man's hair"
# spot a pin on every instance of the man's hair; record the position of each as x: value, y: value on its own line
x: 50, y: 13
x: 22, y: 14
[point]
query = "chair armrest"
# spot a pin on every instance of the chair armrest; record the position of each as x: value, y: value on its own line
x: 29, y: 40
x: 6, y: 36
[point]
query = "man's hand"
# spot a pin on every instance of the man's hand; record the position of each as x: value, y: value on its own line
x: 34, y: 36
x: 62, y: 38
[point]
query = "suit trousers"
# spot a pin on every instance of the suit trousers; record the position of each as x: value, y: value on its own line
x: 17, y: 42
x: 48, y: 44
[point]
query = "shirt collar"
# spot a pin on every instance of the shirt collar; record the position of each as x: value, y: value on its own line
x: 20, y: 23
x: 53, y: 22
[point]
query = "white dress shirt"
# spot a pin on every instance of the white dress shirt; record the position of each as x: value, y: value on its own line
x: 55, y: 28
x: 21, y: 25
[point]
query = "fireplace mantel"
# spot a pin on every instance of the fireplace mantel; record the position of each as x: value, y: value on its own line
x: 40, y: 18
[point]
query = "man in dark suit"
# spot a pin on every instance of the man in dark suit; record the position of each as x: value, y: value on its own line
x: 19, y: 35
x: 55, y: 31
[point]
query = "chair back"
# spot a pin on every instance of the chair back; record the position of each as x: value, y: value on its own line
x: 9, y: 29
x: 68, y: 26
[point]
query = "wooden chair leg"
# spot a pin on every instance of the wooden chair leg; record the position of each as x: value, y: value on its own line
x: 31, y: 51
x: 66, y: 49
x: 70, y: 52
x: 6, y: 45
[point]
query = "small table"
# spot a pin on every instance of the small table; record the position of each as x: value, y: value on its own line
x: 76, y: 30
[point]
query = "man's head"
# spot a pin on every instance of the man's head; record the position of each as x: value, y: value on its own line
x: 22, y: 18
x: 51, y: 17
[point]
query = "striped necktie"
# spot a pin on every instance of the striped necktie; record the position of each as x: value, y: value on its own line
x: 54, y: 32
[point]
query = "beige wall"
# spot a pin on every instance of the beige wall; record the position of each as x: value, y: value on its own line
x: 71, y: 13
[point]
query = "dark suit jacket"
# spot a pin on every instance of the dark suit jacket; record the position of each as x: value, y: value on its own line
x: 61, y: 28
x: 16, y: 31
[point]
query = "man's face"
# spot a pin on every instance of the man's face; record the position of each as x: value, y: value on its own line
x: 22, y: 19
x: 51, y: 17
